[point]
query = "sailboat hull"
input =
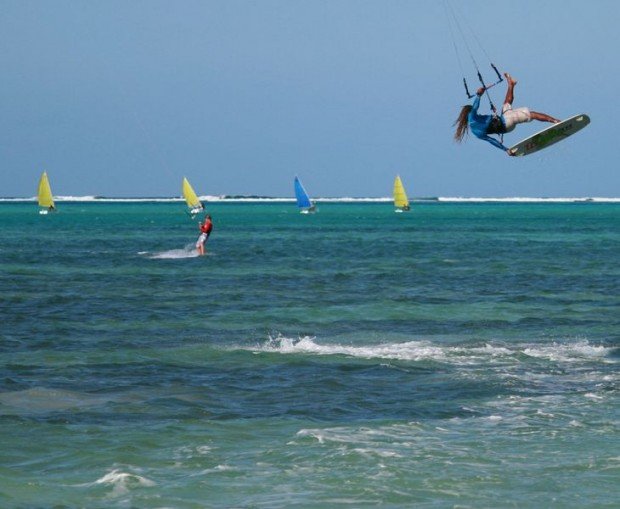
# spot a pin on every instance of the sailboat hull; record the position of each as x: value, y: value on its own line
x: 310, y: 210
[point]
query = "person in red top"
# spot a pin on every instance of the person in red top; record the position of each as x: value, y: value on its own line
x: 205, y: 231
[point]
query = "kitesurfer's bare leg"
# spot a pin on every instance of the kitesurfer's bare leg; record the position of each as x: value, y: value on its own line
x: 543, y: 117
x: 510, y: 92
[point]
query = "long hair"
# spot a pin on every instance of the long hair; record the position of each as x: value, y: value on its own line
x: 462, y: 123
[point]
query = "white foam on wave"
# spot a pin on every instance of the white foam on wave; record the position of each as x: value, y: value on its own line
x: 378, y: 441
x: 408, y: 350
x: 591, y: 395
x: 216, y: 469
x: 411, y: 350
x: 371, y: 453
x: 568, y: 352
x: 121, y: 482
x: 117, y: 477
x: 189, y: 251
x: 76, y: 198
x: 188, y: 452
x: 57, y: 198
x: 421, y: 350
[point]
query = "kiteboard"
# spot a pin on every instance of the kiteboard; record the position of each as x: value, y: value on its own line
x: 550, y: 135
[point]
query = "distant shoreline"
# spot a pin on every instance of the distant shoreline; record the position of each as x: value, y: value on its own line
x: 271, y: 199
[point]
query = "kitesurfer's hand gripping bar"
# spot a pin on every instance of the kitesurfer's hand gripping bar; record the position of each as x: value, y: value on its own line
x: 481, y: 79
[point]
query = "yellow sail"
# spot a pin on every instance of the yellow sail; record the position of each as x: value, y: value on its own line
x: 45, y: 192
x: 400, y: 196
x: 190, y: 196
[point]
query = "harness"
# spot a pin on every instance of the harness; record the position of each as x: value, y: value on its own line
x: 496, y: 126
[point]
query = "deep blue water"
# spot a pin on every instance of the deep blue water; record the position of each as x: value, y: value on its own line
x: 460, y: 355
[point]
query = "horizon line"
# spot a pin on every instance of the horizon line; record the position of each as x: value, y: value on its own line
x: 273, y: 199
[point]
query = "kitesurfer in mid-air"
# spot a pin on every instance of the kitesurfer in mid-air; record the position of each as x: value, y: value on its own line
x: 483, y: 125
x: 205, y: 231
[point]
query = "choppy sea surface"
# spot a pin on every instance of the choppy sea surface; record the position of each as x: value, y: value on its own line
x: 459, y: 355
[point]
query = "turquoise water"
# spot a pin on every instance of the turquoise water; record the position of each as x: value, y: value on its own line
x: 461, y: 355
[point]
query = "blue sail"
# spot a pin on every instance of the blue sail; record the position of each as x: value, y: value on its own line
x: 303, y: 201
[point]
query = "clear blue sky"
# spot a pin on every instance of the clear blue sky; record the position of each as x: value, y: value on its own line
x: 124, y: 98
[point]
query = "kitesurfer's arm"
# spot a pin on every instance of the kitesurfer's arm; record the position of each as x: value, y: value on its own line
x: 495, y: 143
x: 473, y: 114
x: 475, y: 105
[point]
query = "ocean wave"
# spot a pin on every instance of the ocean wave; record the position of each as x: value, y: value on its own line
x: 412, y: 350
x: 427, y: 351
x: 387, y: 434
x: 121, y: 482
x: 567, y: 352
x: 117, y: 477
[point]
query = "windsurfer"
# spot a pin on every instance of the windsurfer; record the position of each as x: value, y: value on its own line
x: 205, y: 231
x: 483, y: 125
